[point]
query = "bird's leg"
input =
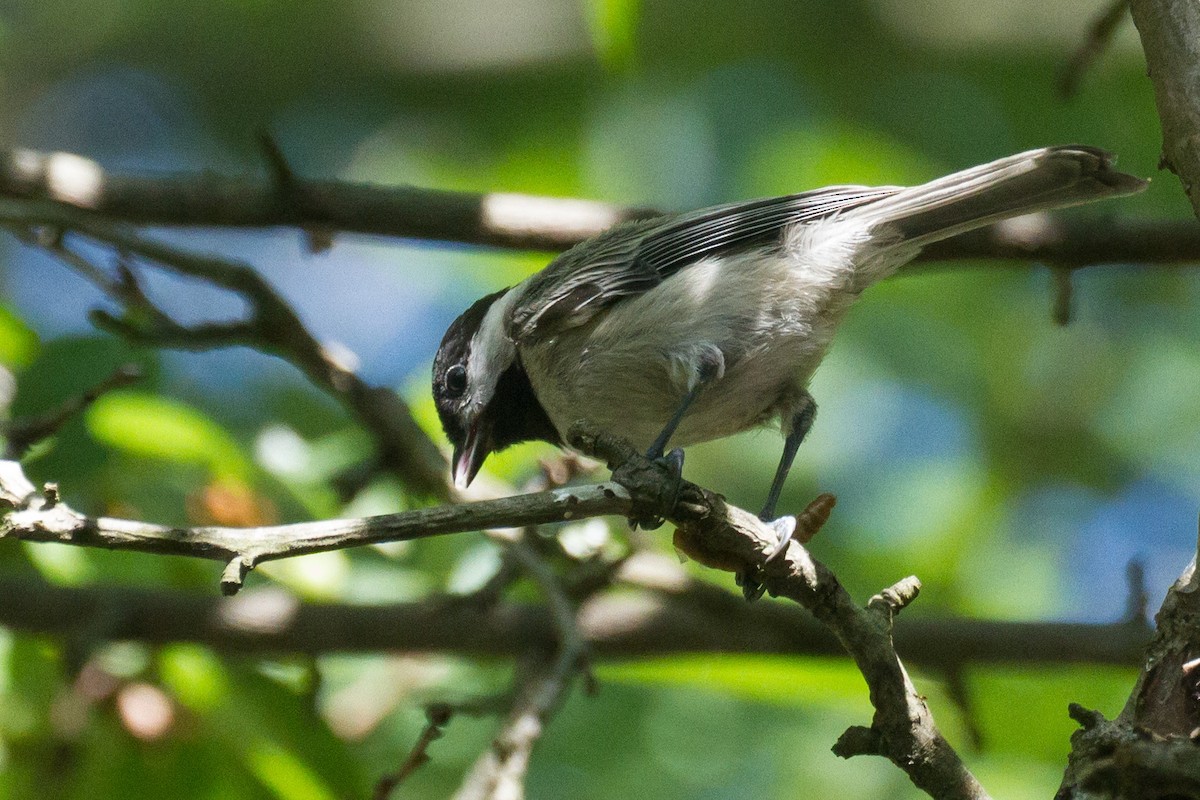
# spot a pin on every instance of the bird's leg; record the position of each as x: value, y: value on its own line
x: 709, y: 368
x: 660, y: 444
x: 801, y: 423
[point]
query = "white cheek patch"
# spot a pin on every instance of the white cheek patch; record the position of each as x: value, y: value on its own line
x: 491, y: 352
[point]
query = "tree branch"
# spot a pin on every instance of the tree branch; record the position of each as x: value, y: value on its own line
x: 71, y: 182
x: 716, y: 533
x: 542, y: 682
x: 497, y: 219
x: 35, y: 518
x: 1150, y: 750
x: 729, y: 538
x: 1170, y: 32
x: 436, y: 718
x: 272, y: 327
x: 23, y: 433
x: 688, y: 617
x: 499, y: 772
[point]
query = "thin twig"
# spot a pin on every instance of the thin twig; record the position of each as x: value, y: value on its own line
x: 24, y: 433
x: 1064, y: 293
x: 436, y: 718
x: 1099, y: 35
x: 572, y: 646
x: 1138, y: 601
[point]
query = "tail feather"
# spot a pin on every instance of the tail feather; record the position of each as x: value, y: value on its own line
x: 1037, y: 180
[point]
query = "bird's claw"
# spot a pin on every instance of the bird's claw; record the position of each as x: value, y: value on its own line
x: 672, y: 464
x: 747, y: 578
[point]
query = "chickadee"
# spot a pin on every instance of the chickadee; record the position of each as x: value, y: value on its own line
x: 696, y: 326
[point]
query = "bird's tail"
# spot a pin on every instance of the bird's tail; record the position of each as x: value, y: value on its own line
x: 1038, y: 180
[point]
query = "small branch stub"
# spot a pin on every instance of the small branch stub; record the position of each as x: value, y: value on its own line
x: 235, y: 574
x: 858, y: 741
x: 1086, y: 717
x: 894, y: 599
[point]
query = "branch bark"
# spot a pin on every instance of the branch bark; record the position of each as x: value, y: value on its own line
x: 499, y: 219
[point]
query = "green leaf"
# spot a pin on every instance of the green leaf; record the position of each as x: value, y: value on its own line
x: 156, y: 427
x: 614, y: 23
x: 771, y: 679
x: 18, y: 343
x: 285, y: 774
x: 194, y: 674
x: 1038, y: 726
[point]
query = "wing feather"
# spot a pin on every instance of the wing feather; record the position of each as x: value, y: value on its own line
x: 634, y: 257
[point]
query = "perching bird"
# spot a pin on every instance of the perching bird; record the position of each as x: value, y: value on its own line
x: 695, y: 326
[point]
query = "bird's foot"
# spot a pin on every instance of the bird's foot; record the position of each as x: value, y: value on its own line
x: 672, y: 465
x: 748, y: 579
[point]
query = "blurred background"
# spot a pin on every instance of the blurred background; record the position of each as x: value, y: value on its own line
x: 1014, y: 465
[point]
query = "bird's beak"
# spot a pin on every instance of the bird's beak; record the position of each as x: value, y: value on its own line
x: 470, y: 456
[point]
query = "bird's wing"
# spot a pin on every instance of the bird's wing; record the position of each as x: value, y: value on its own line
x: 634, y: 257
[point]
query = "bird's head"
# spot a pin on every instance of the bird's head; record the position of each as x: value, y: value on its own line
x: 482, y: 393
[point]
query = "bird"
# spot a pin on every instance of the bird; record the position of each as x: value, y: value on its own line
x: 685, y: 328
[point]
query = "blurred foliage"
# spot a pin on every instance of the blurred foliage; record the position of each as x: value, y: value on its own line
x: 1014, y: 466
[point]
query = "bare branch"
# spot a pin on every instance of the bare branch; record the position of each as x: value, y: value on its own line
x: 71, y: 183
x: 273, y: 327
x: 542, y: 683
x: 1073, y: 241
x: 724, y: 536
x: 436, y: 719
x: 903, y: 729
x: 572, y: 647
x: 727, y: 537
x: 34, y: 519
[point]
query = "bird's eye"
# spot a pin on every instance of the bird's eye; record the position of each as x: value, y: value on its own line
x: 456, y: 380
